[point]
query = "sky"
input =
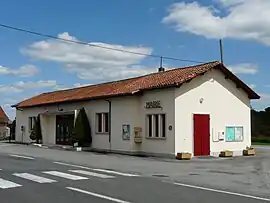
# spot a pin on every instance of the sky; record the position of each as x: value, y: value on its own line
x: 30, y: 65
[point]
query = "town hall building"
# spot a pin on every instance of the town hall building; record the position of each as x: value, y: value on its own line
x: 202, y: 109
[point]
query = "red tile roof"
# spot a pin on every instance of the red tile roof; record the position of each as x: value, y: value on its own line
x: 3, y: 116
x: 170, y: 78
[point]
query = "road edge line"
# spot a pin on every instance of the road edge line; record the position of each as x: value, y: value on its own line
x: 21, y: 156
x: 97, y: 195
x: 222, y: 191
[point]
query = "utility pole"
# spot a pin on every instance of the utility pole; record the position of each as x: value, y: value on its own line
x: 161, y: 69
x: 221, y: 50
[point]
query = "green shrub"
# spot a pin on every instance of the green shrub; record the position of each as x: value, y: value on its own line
x: 82, y: 130
x: 36, y: 133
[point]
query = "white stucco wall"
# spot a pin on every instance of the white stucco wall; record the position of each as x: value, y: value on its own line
x: 4, y: 131
x: 159, y: 145
x: 125, y: 110
x: 226, y: 104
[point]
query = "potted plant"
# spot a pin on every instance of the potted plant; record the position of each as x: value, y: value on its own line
x: 183, y: 156
x: 226, y: 153
x: 249, y: 151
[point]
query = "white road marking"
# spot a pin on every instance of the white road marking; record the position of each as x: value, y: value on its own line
x: 100, y: 170
x: 77, y: 166
x: 224, y: 192
x: 89, y: 173
x: 4, y: 184
x: 7, y: 145
x: 116, y: 173
x: 34, y: 178
x: 97, y: 195
x: 23, y: 157
x: 65, y: 175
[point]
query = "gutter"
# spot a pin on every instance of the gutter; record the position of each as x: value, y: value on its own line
x: 110, y: 120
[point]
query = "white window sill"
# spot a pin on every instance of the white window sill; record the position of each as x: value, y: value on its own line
x: 156, y: 138
x: 102, y: 133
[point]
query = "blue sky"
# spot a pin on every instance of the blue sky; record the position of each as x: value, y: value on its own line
x: 187, y: 29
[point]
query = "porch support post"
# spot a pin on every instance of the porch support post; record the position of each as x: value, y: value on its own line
x: 75, y: 115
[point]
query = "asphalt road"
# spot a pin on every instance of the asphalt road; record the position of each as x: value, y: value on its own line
x: 34, y: 179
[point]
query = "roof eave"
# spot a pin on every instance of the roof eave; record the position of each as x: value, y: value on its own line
x: 77, y: 100
x: 251, y: 93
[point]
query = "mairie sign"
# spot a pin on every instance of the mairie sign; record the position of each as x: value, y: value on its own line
x: 153, y: 104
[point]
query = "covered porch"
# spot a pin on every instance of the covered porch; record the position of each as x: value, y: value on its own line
x: 57, y: 127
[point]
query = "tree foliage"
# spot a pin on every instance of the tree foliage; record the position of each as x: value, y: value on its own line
x: 82, y: 130
x: 36, y: 133
x: 260, y: 123
x: 12, y: 127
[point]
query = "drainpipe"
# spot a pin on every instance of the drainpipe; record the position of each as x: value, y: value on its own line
x: 110, y: 116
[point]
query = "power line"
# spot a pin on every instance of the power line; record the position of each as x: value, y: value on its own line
x: 94, y: 45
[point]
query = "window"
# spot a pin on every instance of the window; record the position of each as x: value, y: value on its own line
x: 234, y: 134
x: 149, y: 117
x: 156, y: 126
x: 32, y: 121
x: 102, y: 122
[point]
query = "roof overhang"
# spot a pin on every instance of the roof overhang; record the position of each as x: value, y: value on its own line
x: 239, y: 83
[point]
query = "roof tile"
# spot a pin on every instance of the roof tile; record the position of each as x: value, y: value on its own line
x: 3, y: 115
x: 164, y: 79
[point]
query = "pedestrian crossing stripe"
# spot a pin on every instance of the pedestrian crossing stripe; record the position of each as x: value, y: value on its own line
x: 89, y: 173
x: 65, y: 175
x: 4, y: 184
x: 116, y: 172
x: 34, y: 178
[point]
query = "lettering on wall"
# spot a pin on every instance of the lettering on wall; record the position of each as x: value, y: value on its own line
x: 153, y: 104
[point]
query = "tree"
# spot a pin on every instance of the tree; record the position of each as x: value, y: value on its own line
x: 36, y: 133
x: 260, y: 123
x: 12, y: 127
x: 82, y: 130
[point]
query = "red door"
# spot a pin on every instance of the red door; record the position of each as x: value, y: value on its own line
x: 201, y: 130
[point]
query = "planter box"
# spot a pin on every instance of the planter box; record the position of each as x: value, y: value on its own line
x: 226, y: 153
x: 183, y: 156
x: 249, y: 152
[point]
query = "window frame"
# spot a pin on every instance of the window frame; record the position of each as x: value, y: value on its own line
x: 234, y: 126
x: 160, y: 126
x: 103, y: 124
x: 31, y: 122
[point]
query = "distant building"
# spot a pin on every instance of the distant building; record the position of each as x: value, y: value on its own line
x: 201, y: 109
x: 4, y: 121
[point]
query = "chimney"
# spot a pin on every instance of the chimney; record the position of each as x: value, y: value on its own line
x: 161, y: 69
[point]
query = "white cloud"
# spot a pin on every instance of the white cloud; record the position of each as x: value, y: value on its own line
x: 81, y: 85
x: 23, y: 71
x: 252, y: 86
x: 244, y: 68
x: 246, y: 19
x: 36, y: 84
x: 89, y: 62
x: 21, y: 86
x: 230, y: 2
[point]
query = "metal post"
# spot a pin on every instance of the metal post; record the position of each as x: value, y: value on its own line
x: 221, y: 50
